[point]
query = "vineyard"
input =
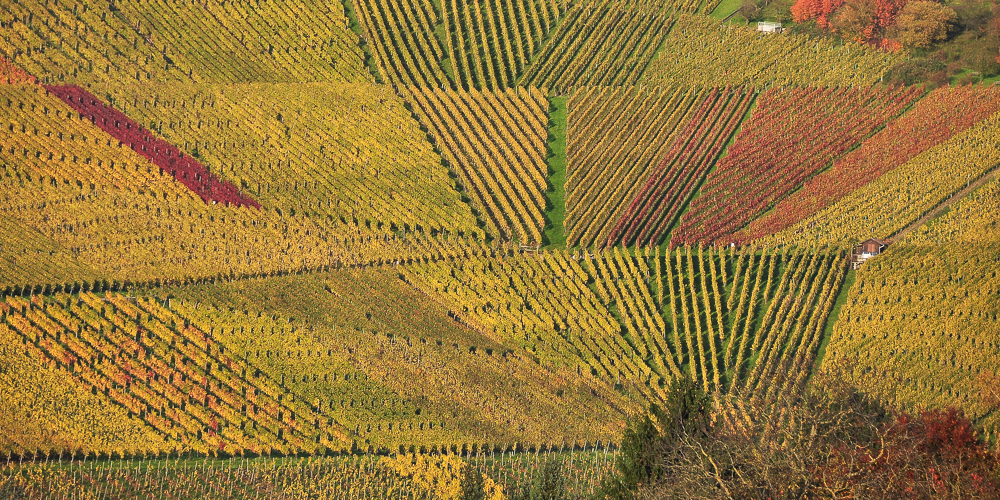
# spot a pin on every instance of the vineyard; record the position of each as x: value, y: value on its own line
x: 698, y: 51
x: 933, y: 120
x: 495, y: 143
x: 605, y: 44
x: 657, y: 204
x: 971, y: 220
x: 477, y: 249
x: 791, y: 135
x: 348, y: 478
x: 887, y: 205
x: 71, y: 41
x: 606, y: 155
x: 921, y: 328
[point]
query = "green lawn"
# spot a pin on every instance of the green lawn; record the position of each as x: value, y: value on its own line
x: 725, y: 8
x: 555, y: 236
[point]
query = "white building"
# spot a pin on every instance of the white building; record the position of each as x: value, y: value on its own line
x: 768, y: 27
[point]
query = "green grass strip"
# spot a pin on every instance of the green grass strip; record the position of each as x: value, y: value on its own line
x: 555, y: 204
x: 845, y: 289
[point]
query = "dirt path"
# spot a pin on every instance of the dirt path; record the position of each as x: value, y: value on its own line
x: 989, y: 176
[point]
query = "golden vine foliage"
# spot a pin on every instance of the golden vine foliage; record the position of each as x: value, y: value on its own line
x: 76, y: 41
x: 342, y: 152
x: 603, y: 43
x: 496, y: 145
x: 700, y: 51
x: 116, y: 212
x: 28, y: 258
x: 259, y: 41
x: 10, y: 74
x: 401, y: 36
x: 490, y: 43
x: 456, y: 43
x: 228, y: 369
x: 174, y: 377
x: 748, y: 322
x: 540, y: 304
x: 44, y: 411
x: 442, y: 476
x: 971, y: 220
x: 920, y: 327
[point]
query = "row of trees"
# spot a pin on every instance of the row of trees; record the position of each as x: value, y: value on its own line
x: 891, y: 24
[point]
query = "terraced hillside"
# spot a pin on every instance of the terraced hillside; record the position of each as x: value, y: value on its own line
x: 454, y: 234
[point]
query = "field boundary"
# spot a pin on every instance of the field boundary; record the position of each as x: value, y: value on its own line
x: 946, y: 204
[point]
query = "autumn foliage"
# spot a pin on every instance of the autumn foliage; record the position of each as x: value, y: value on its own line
x: 930, y: 454
x: 933, y: 120
x: 186, y: 170
x: 11, y: 74
x: 859, y: 20
x: 833, y: 441
x: 792, y: 134
x: 820, y: 10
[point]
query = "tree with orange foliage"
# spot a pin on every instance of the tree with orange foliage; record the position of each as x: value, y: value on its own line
x: 820, y: 10
x: 854, y: 20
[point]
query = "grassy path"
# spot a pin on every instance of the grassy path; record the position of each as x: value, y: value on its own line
x: 555, y: 206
